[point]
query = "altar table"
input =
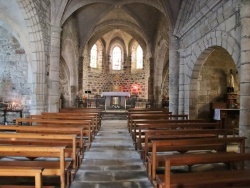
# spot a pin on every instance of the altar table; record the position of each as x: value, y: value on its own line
x: 115, y: 99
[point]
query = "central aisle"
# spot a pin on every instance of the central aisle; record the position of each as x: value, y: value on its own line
x: 112, y: 161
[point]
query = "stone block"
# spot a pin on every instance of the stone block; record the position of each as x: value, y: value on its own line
x: 230, y: 23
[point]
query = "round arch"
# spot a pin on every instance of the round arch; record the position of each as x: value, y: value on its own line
x: 39, y: 59
x: 203, y: 48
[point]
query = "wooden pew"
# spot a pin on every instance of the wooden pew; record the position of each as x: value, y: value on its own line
x: 81, y: 110
x: 145, y: 115
x: 185, y: 145
x: 69, y: 141
x: 49, y: 130
x: 147, y: 111
x: 86, y: 124
x: 171, y: 124
x: 52, y: 121
x: 77, y: 115
x: 151, y: 135
x: 216, y: 178
x: 161, y: 116
x: 51, y: 168
x: 58, y: 116
x: 23, y: 172
x: 141, y: 125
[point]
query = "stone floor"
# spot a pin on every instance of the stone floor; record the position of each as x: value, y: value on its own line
x: 112, y: 161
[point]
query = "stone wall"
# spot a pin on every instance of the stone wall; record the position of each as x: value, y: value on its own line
x: 104, y: 80
x: 14, y: 85
x: 99, y: 82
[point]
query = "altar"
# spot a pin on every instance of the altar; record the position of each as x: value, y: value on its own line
x: 228, y: 117
x: 115, y: 99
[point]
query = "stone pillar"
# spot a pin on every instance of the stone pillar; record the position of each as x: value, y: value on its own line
x: 244, y: 123
x: 151, y: 80
x: 173, y: 74
x: 158, y: 69
x: 183, y: 108
x: 54, y: 94
x: 80, y: 73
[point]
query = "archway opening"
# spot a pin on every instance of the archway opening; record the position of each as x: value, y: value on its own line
x: 211, y: 82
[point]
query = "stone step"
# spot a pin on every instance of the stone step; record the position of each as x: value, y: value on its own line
x: 114, y: 115
x: 109, y: 168
x: 110, y: 176
x: 111, y: 162
x: 112, y: 154
x: 128, y: 184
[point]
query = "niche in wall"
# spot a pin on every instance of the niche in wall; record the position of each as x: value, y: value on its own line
x: 212, y: 81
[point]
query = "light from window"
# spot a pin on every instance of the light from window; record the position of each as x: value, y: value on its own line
x: 139, y: 57
x: 117, y: 58
x: 93, y: 56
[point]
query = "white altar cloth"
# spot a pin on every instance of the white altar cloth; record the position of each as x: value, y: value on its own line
x: 115, y: 94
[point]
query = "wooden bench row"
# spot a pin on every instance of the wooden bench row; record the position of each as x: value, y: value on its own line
x: 51, y: 169
x: 39, y: 136
x: 187, y: 142
x: 227, y: 178
x: 152, y: 116
x: 140, y: 127
x: 57, y: 123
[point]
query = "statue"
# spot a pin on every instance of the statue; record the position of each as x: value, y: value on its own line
x: 230, y: 82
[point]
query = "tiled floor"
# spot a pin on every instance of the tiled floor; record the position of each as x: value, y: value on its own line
x: 112, y: 161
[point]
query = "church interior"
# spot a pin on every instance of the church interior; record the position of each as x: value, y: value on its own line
x: 119, y: 57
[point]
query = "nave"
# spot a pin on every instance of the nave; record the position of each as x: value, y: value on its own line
x: 112, y: 161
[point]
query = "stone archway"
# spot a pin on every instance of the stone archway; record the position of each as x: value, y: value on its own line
x: 203, y: 48
x: 39, y: 59
x: 212, y: 81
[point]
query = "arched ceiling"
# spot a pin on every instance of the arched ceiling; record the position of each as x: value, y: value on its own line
x: 137, y: 18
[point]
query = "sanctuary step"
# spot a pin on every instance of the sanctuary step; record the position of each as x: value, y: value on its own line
x: 114, y: 115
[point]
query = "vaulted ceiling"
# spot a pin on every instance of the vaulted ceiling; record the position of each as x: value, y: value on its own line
x: 136, y: 18
x: 132, y: 18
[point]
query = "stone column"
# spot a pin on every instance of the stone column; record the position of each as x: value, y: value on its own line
x: 80, y: 73
x: 173, y: 74
x: 158, y: 69
x: 245, y: 72
x: 151, y: 80
x: 54, y: 93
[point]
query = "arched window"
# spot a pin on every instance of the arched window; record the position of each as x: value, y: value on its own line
x: 117, y: 58
x: 93, y: 57
x: 139, y: 58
